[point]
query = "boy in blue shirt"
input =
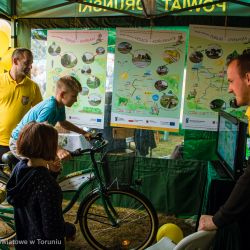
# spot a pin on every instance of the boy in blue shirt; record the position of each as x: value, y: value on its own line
x: 52, y: 110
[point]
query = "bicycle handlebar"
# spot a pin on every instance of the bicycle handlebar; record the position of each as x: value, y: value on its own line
x: 97, y: 146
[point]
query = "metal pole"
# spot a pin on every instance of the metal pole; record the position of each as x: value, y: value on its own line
x: 13, y: 24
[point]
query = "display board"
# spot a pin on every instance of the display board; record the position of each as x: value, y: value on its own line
x: 206, y: 91
x: 148, y: 76
x: 82, y: 54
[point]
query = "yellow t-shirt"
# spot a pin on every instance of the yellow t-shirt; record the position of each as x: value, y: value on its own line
x: 15, y: 101
x: 248, y: 118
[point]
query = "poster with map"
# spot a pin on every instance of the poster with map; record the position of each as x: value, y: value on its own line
x: 82, y: 54
x: 149, y: 66
x: 206, y: 91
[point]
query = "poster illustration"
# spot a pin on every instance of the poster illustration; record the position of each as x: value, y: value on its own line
x: 38, y: 48
x: 206, y: 91
x: 82, y: 54
x: 148, y: 77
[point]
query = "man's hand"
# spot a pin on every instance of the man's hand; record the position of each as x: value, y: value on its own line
x: 88, y: 136
x: 63, y: 154
x: 55, y: 166
x: 206, y: 223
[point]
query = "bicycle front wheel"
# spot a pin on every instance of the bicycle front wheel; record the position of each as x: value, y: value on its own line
x: 136, y: 218
x: 7, y: 224
x: 3, y: 183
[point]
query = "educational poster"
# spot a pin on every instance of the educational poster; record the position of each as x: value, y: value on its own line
x: 82, y: 54
x: 206, y: 90
x: 148, y: 77
x: 38, y: 48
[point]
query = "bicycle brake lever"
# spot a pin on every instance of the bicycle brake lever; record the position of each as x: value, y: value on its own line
x: 77, y: 152
x: 98, y: 136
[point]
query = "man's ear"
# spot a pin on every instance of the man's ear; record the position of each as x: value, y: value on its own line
x: 62, y: 93
x: 14, y: 61
x: 248, y: 78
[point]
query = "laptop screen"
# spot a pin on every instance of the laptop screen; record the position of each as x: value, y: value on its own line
x: 231, y: 143
x: 227, y: 141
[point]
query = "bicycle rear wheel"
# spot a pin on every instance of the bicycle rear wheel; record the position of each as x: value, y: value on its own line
x: 137, y: 221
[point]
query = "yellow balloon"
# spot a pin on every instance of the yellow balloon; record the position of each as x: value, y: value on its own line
x: 5, y: 27
x: 4, y: 43
x: 6, y: 61
x: 170, y: 230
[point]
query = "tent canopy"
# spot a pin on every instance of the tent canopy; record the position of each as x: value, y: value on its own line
x: 149, y: 9
x: 26, y: 15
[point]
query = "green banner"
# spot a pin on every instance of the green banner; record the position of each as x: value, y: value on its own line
x: 150, y: 9
x: 163, y: 7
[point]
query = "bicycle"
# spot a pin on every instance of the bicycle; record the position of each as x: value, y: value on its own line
x: 7, y: 224
x: 109, y: 217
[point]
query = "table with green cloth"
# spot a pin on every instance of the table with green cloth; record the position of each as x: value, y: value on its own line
x: 217, y: 188
x: 216, y: 191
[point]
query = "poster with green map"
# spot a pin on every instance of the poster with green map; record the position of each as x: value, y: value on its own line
x: 206, y: 91
x: 148, y: 77
x: 82, y: 54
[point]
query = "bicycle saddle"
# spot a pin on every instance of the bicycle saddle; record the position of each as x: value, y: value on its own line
x: 9, y: 158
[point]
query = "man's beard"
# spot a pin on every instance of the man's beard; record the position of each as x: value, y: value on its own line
x: 233, y: 103
x: 27, y: 72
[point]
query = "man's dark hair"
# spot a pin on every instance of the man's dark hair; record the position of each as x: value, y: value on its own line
x: 38, y: 140
x: 20, y: 51
x: 243, y: 63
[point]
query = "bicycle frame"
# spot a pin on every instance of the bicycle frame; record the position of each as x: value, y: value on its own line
x: 78, y: 182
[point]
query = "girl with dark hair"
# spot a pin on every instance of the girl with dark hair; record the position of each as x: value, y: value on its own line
x: 34, y: 192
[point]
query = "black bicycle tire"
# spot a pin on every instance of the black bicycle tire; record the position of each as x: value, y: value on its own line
x: 90, y: 200
x: 4, y: 180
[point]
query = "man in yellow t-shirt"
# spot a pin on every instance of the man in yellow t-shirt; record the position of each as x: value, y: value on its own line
x: 18, y: 93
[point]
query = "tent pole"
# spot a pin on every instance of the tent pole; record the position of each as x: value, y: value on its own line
x: 13, y: 24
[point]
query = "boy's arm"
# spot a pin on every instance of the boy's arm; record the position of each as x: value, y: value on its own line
x: 71, y: 127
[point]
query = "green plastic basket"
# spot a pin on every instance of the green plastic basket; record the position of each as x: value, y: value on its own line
x: 118, y: 168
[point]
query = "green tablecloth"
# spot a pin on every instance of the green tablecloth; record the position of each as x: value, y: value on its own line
x: 212, y: 175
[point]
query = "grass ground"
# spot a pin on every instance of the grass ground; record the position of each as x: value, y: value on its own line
x: 166, y: 147
x: 80, y: 243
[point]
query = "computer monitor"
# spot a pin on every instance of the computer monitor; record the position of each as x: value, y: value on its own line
x: 231, y: 144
